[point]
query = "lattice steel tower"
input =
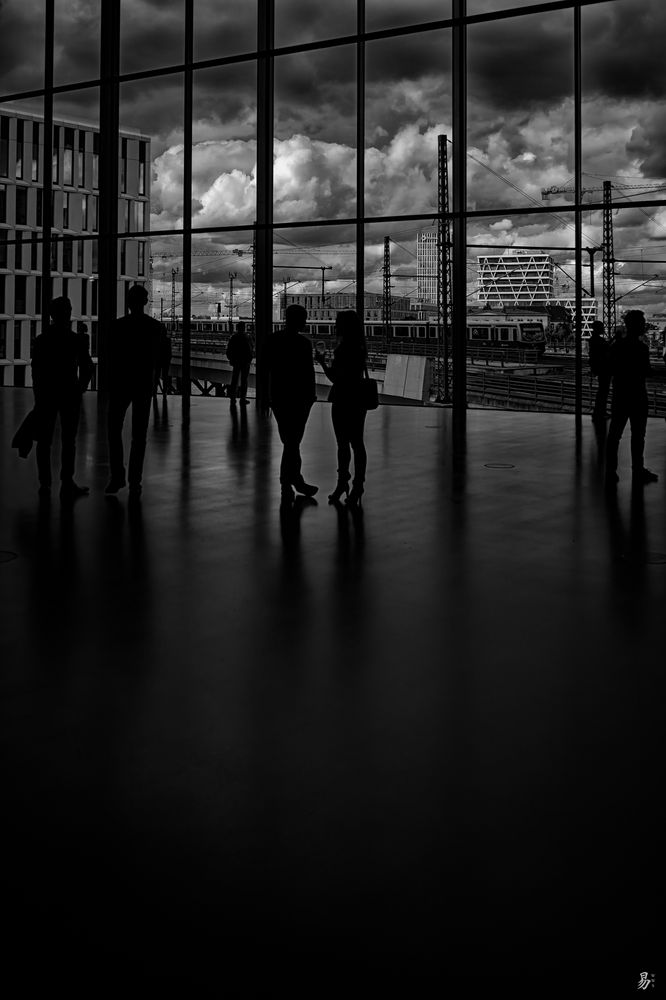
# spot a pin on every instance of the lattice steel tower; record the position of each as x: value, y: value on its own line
x: 387, y: 290
x: 608, y: 263
x: 444, y: 283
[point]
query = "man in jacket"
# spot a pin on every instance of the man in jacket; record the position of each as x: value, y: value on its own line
x: 137, y: 350
x: 629, y: 360
x: 291, y: 392
x: 239, y: 355
x: 61, y: 372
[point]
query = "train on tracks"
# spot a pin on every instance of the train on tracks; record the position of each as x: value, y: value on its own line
x: 486, y: 330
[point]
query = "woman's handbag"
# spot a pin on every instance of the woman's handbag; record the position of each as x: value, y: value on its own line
x: 369, y: 393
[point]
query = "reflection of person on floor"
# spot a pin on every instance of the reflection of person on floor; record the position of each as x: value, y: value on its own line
x: 239, y: 354
x: 61, y: 372
x: 629, y: 360
x: 291, y: 392
x: 137, y: 353
x: 348, y: 410
x: 599, y: 365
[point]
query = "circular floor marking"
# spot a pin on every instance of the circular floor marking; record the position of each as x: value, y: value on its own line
x: 6, y: 556
x: 498, y: 465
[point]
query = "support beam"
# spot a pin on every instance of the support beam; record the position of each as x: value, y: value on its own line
x: 47, y: 177
x: 459, y: 269
x: 578, y: 220
x: 108, y: 183
x: 186, y: 298
x: 360, y: 160
x: 264, y: 233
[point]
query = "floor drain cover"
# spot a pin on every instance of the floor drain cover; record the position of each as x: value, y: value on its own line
x: 7, y: 556
x: 498, y: 465
x: 654, y: 558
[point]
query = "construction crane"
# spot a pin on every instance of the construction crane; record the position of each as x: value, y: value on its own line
x: 621, y: 186
x: 309, y: 267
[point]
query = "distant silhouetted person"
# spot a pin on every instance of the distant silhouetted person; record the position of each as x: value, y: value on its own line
x: 239, y: 354
x: 348, y: 409
x: 629, y: 365
x: 600, y: 366
x: 137, y: 351
x: 61, y: 372
x: 292, y: 392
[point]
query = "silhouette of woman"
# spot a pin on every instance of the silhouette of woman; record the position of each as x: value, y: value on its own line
x: 348, y: 411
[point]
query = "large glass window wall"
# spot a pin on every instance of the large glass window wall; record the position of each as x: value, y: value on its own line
x: 270, y: 152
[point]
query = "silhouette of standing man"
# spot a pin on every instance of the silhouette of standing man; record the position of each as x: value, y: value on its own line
x: 138, y: 347
x: 61, y: 372
x: 291, y: 392
x: 629, y: 365
x: 239, y: 355
x: 599, y: 366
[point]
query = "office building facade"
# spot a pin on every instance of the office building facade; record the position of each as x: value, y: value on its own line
x: 527, y: 279
x: 426, y: 266
x: 74, y: 245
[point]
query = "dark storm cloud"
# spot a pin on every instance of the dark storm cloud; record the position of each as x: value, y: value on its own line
x: 623, y: 55
x: 648, y: 143
x: 21, y: 46
x: 521, y: 63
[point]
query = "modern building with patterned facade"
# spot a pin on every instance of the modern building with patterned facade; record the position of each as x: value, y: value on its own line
x: 526, y: 278
x: 74, y: 247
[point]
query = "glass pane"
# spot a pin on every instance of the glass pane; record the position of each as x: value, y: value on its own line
x: 520, y: 108
x: 315, y: 135
x: 521, y: 313
x: 224, y: 151
x: 77, y: 41
x: 408, y: 104
x: 165, y: 277
x: 224, y: 29
x: 75, y: 178
x: 297, y: 23
x: 22, y: 42
x: 151, y: 154
x: 222, y: 277
x: 382, y: 14
x: 623, y: 100
x: 316, y: 268
x: 401, y: 327
x: 151, y: 34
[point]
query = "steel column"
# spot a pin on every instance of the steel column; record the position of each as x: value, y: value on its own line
x: 186, y: 299
x: 578, y: 220
x: 264, y: 230
x: 459, y: 269
x: 360, y: 160
x: 47, y: 177
x: 108, y: 182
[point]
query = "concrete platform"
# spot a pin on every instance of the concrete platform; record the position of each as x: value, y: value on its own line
x: 312, y: 748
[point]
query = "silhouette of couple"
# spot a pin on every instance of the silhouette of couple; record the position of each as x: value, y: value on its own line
x: 61, y: 372
x: 292, y: 392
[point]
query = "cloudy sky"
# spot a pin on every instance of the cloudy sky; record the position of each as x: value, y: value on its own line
x: 520, y: 118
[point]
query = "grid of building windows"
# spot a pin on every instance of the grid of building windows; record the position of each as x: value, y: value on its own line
x: 74, y: 250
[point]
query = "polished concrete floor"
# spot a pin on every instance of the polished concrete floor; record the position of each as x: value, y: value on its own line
x: 422, y: 741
